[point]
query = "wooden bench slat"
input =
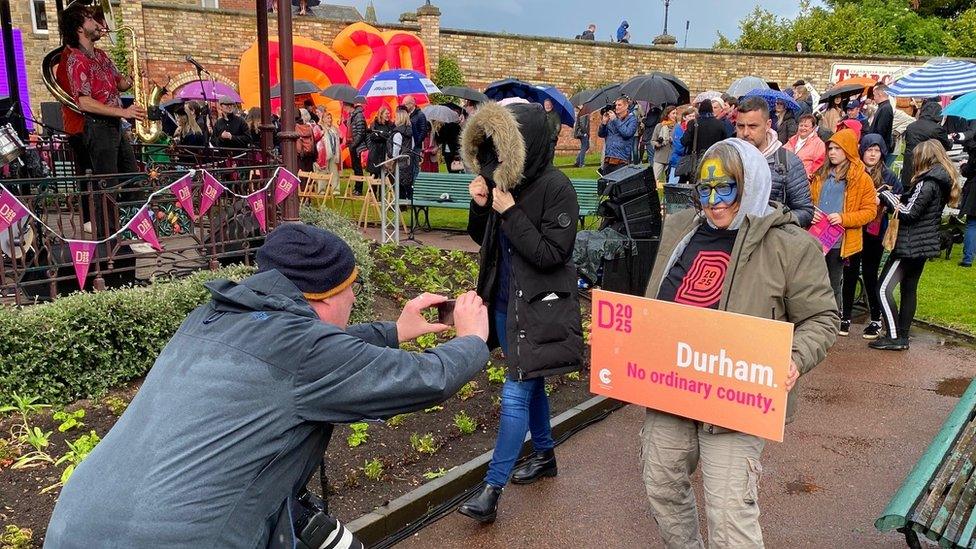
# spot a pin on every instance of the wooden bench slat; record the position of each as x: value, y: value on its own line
x: 924, y: 513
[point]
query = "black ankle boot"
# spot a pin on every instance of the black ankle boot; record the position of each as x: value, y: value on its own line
x: 482, y: 506
x: 542, y: 464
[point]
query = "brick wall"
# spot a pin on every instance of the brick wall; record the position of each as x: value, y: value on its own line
x: 171, y: 29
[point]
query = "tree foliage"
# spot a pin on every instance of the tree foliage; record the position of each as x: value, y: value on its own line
x: 448, y: 73
x: 879, y: 27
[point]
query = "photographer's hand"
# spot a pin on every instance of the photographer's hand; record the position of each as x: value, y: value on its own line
x: 412, y: 323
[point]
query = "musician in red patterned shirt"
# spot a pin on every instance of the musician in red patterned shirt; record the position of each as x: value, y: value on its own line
x: 95, y: 84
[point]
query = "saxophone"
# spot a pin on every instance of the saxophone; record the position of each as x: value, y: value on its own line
x: 148, y: 131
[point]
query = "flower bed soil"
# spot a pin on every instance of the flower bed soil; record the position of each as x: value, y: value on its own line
x: 352, y: 494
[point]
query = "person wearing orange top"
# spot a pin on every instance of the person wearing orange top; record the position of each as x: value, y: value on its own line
x: 844, y: 193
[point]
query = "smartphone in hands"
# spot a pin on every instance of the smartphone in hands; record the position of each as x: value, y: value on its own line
x: 445, y: 312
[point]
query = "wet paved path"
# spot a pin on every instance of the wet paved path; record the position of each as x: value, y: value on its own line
x: 865, y: 417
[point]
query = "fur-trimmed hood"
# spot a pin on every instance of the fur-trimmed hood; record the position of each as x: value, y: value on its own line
x: 515, y: 135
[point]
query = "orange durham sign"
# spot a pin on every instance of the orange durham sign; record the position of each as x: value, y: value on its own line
x: 712, y: 366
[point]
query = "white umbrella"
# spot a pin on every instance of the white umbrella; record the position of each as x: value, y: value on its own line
x: 440, y: 113
x: 745, y: 85
x: 707, y: 96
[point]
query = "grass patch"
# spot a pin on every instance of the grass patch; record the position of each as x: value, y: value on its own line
x: 946, y: 293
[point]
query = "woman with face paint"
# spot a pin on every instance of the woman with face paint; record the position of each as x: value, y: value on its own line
x: 742, y: 254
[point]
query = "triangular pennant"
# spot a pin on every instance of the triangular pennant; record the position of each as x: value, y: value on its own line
x: 82, y: 254
x: 142, y: 225
x: 184, y: 195
x: 11, y: 210
x: 285, y: 184
x: 211, y: 191
x: 257, y: 201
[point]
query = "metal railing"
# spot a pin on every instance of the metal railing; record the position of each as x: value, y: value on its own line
x: 35, y: 263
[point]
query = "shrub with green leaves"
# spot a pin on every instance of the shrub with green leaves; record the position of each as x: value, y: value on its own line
x: 373, y: 469
x: 358, y: 435
x: 465, y: 424
x: 423, y: 444
x: 83, y: 344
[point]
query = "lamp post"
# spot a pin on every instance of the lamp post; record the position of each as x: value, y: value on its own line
x: 667, y: 5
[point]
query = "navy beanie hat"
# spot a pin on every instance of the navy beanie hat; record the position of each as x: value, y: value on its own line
x: 317, y: 261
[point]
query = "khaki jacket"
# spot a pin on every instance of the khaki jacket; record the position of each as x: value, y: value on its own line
x: 777, y: 271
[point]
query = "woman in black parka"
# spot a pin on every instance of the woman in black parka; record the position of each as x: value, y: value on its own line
x: 523, y: 213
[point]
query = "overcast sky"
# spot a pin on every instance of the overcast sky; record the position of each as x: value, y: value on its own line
x: 567, y: 18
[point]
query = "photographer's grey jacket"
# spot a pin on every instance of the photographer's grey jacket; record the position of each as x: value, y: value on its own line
x: 229, y: 419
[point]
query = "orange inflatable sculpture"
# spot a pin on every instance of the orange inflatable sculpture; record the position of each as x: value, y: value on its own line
x: 366, y: 51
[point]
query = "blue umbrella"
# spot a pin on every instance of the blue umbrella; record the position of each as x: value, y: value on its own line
x: 772, y: 96
x: 396, y: 83
x: 939, y: 77
x: 963, y: 107
x: 512, y: 87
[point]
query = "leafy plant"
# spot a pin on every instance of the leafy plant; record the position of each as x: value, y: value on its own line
x: 25, y: 406
x: 426, y: 341
x: 468, y: 390
x: 69, y: 420
x: 423, y: 444
x: 358, y: 435
x: 573, y: 376
x: 39, y: 440
x: 15, y: 537
x: 465, y: 423
x: 397, y: 420
x: 549, y: 389
x: 373, y: 469
x: 496, y: 374
x: 431, y: 475
x: 447, y: 73
x: 77, y: 452
x: 115, y: 404
x: 433, y: 409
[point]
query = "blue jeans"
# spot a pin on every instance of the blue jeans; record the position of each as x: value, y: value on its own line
x: 969, y: 241
x: 525, y: 408
x: 584, y: 146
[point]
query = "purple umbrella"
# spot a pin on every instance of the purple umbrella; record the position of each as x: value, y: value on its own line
x: 210, y: 91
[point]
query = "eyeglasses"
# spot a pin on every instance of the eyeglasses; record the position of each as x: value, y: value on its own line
x: 357, y: 286
x: 723, y: 192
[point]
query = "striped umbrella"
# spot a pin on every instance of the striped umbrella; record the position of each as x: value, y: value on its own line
x: 942, y: 77
x: 397, y: 83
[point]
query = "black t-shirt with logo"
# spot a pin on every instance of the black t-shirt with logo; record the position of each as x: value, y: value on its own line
x: 697, y: 277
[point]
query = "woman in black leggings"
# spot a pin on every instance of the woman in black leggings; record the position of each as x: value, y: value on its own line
x: 867, y: 262
x: 935, y: 182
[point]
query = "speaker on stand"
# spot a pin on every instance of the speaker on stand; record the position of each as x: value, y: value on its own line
x: 633, y: 209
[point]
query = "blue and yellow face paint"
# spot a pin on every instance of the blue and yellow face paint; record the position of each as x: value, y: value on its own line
x: 714, y: 185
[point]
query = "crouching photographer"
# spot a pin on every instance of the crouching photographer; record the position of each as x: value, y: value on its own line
x: 233, y: 418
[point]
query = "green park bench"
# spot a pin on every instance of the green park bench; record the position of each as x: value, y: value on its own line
x: 937, y: 498
x: 450, y: 190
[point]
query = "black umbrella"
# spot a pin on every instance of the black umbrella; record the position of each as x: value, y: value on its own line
x: 344, y: 93
x: 581, y: 97
x: 302, y: 87
x: 843, y: 91
x: 657, y: 88
x: 510, y: 87
x: 600, y: 98
x: 172, y: 104
x: 464, y: 93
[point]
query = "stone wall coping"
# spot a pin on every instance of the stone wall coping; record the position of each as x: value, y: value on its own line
x: 705, y: 51
x: 271, y: 20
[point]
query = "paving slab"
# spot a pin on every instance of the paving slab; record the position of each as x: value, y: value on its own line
x: 865, y: 417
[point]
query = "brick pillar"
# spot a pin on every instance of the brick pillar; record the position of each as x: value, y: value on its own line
x: 36, y: 45
x: 429, y: 19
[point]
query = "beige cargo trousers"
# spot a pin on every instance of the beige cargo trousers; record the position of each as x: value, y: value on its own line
x: 671, y: 450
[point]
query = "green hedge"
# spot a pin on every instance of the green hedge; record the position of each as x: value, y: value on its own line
x: 83, y: 344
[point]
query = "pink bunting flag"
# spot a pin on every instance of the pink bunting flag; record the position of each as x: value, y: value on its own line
x: 184, y: 195
x: 11, y: 210
x: 142, y: 225
x: 257, y: 201
x: 212, y: 189
x: 285, y: 184
x: 82, y: 253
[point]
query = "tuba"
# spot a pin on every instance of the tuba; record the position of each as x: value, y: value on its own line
x: 148, y: 131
